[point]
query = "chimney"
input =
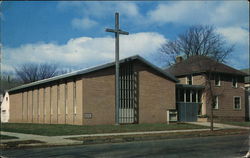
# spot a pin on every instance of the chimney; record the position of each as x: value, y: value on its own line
x: 179, y: 59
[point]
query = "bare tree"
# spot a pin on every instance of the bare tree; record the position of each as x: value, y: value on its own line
x: 210, y: 73
x: 33, y: 72
x: 8, y: 81
x: 197, y: 40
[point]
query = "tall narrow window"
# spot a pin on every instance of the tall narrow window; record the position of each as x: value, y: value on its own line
x: 234, y: 82
x: 188, y: 98
x: 217, y: 80
x: 189, y: 79
x: 193, y: 93
x: 182, y: 93
x: 199, y: 96
x: 237, y: 105
x: 216, y: 105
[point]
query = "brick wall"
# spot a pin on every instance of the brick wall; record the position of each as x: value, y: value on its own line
x: 156, y: 95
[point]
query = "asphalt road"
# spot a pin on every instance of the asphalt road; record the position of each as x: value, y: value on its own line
x: 219, y: 146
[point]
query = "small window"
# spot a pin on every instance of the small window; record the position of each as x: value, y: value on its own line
x: 234, y: 82
x: 181, y: 95
x: 3, y: 111
x: 216, y: 105
x: 188, y: 95
x: 193, y: 96
x: 189, y: 79
x: 237, y: 103
x: 6, y: 98
x: 217, y: 80
x: 199, y: 95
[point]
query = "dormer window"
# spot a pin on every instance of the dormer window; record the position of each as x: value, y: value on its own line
x: 217, y: 80
x: 189, y: 80
x: 234, y: 82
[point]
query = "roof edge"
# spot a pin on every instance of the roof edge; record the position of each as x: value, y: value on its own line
x: 92, y: 69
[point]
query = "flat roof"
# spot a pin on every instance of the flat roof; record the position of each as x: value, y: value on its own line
x: 96, y: 68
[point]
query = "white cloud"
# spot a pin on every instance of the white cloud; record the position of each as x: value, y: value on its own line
x: 84, y: 51
x: 240, y: 37
x: 201, y: 12
x: 84, y: 23
x: 236, y: 35
x: 100, y: 9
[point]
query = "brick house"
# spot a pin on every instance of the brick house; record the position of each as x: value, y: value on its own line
x: 227, y: 86
x: 87, y: 97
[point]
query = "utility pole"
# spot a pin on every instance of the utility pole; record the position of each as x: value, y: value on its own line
x: 117, y: 31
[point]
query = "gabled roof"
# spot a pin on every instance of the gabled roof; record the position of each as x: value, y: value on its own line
x: 199, y: 64
x: 96, y: 68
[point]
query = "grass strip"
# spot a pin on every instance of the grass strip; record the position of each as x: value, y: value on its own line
x: 59, y: 130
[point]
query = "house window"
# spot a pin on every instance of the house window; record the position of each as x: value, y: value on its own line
x: 237, y: 103
x: 182, y: 93
x: 234, y: 82
x: 193, y: 94
x: 6, y: 98
x: 199, y: 95
x: 216, y: 105
x: 189, y: 80
x: 217, y: 80
x: 188, y: 95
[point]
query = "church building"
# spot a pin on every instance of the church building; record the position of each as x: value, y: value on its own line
x: 87, y: 97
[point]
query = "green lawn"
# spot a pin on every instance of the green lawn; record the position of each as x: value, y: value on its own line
x: 57, y: 130
x: 7, y: 137
x: 245, y: 124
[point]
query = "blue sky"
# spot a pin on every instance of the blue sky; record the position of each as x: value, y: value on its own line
x: 72, y: 33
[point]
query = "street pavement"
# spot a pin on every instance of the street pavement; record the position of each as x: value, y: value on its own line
x: 205, y: 147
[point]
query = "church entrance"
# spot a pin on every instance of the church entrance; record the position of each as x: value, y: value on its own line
x: 128, y: 110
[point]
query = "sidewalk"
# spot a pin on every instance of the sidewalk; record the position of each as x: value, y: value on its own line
x: 62, y: 140
x: 219, y: 125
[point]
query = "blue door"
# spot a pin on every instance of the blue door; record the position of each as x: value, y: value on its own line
x: 187, y: 112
